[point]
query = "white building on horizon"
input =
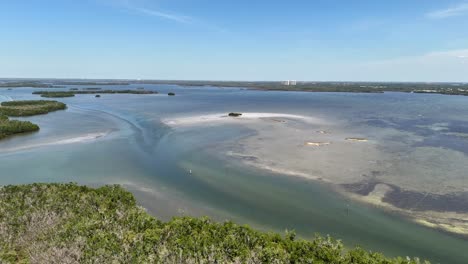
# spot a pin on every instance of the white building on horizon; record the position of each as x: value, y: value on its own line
x: 290, y: 82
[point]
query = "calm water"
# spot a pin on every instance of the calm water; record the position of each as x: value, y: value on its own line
x: 152, y: 160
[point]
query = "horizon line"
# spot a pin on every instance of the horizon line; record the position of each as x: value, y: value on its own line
x: 213, y: 80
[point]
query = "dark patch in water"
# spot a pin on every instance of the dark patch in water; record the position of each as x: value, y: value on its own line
x: 412, y: 200
x: 249, y: 158
x: 445, y: 141
x: 422, y: 127
x: 380, y: 123
x: 416, y: 125
x: 458, y: 127
x: 363, y: 187
x: 454, y: 202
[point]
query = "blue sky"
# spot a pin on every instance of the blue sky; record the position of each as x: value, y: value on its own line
x: 316, y: 40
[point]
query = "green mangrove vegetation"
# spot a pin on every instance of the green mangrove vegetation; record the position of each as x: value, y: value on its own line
x: 234, y: 114
x: 90, y: 82
x: 92, y: 88
x: 71, y: 93
x: 57, y: 94
x: 67, y: 223
x: 29, y: 108
x: 350, y: 87
x: 453, y: 88
x: 11, y: 127
x: 34, y: 84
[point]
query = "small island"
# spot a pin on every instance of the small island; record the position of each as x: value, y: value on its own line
x: 57, y: 94
x: 71, y: 93
x: 92, y: 88
x: 234, y: 114
x: 24, y: 108
x: 30, y: 108
x: 11, y: 127
x: 171, y: 94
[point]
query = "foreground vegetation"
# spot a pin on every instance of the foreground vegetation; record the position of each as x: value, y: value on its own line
x: 12, y: 127
x: 30, y: 107
x: 67, y: 223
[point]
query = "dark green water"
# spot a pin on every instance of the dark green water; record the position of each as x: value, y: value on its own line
x: 153, y: 160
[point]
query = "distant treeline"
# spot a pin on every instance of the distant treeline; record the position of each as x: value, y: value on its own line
x: 27, y: 84
x: 90, y: 83
x: 356, y: 87
x: 71, y: 93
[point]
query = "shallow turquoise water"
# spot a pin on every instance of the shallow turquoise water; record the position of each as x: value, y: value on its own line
x: 152, y: 159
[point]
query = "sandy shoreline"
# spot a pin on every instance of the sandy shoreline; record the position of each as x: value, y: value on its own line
x: 64, y: 141
x: 222, y: 118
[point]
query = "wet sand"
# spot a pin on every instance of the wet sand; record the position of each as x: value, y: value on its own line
x: 86, y: 138
x: 318, y: 149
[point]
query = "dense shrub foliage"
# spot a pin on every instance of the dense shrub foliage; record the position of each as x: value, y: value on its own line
x: 11, y: 127
x: 29, y: 108
x: 67, y: 223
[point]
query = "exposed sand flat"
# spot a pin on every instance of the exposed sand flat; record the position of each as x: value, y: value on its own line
x: 295, y: 145
x: 357, y: 139
x: 222, y: 118
x: 317, y: 144
x: 317, y: 149
x: 290, y: 151
x: 64, y: 141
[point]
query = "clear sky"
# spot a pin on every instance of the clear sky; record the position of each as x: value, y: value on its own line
x: 316, y: 40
